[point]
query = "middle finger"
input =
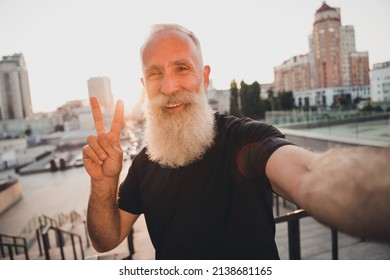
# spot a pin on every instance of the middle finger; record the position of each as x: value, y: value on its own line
x: 94, y: 144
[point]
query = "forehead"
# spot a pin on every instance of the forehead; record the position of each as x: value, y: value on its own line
x: 169, y: 45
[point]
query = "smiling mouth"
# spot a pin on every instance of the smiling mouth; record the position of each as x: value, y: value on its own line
x: 173, y: 105
x: 174, y: 108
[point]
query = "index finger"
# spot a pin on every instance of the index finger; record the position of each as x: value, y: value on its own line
x: 97, y: 114
x: 117, y: 121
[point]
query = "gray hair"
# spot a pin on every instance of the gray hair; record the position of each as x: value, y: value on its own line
x: 161, y: 27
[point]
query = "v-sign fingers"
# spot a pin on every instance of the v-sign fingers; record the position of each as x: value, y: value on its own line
x: 117, y: 121
x: 97, y: 114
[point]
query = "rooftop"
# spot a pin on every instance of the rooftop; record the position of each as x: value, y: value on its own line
x: 325, y: 7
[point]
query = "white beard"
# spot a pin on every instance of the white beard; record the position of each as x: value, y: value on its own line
x: 178, y: 139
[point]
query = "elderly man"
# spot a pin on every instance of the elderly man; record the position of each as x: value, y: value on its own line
x: 205, y: 180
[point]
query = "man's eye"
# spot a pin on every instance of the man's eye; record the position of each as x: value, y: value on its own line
x: 182, y: 68
x: 153, y: 74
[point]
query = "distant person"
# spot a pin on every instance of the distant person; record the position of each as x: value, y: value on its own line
x: 205, y: 180
x: 130, y: 244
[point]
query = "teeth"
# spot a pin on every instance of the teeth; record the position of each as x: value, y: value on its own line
x: 172, y: 105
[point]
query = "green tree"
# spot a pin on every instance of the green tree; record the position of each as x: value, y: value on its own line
x: 234, y: 108
x: 269, y: 102
x: 244, y: 97
x: 286, y: 100
x: 251, y: 104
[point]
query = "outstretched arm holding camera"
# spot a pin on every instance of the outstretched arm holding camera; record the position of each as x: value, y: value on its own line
x: 346, y: 188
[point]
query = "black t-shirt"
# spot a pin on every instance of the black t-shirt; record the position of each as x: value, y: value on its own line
x: 219, y: 207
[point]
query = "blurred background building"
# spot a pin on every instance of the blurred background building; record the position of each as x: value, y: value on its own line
x: 101, y: 88
x: 332, y: 67
x: 15, y: 100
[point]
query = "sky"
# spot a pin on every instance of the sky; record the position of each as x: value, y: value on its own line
x: 66, y: 42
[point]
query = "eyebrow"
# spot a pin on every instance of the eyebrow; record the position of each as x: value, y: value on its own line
x: 179, y: 62
x: 151, y: 68
x: 182, y: 62
x: 188, y: 63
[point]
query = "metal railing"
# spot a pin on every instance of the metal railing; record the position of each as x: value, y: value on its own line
x: 60, y: 237
x: 13, y: 246
x: 46, y: 220
x: 309, y: 119
x: 294, y: 235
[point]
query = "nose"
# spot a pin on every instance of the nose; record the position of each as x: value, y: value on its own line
x: 169, y: 84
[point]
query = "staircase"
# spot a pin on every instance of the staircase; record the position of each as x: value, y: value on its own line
x: 47, y: 238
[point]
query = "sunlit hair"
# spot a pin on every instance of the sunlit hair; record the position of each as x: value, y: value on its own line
x: 175, y: 27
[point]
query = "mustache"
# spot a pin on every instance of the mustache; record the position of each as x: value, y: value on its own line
x: 179, y: 97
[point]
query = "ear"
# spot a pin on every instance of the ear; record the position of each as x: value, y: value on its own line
x: 206, y: 74
x: 142, y: 81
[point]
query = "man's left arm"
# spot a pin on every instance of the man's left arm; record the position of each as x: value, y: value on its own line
x: 346, y: 188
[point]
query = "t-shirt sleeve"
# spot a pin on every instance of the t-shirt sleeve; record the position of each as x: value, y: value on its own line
x: 260, y: 140
x: 129, y: 198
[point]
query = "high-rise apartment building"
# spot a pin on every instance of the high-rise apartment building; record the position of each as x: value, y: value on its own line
x: 332, y: 63
x: 380, y: 82
x: 347, y: 47
x: 326, y: 47
x: 101, y: 88
x: 336, y: 62
x: 15, y: 99
x: 294, y: 74
x: 360, y: 72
